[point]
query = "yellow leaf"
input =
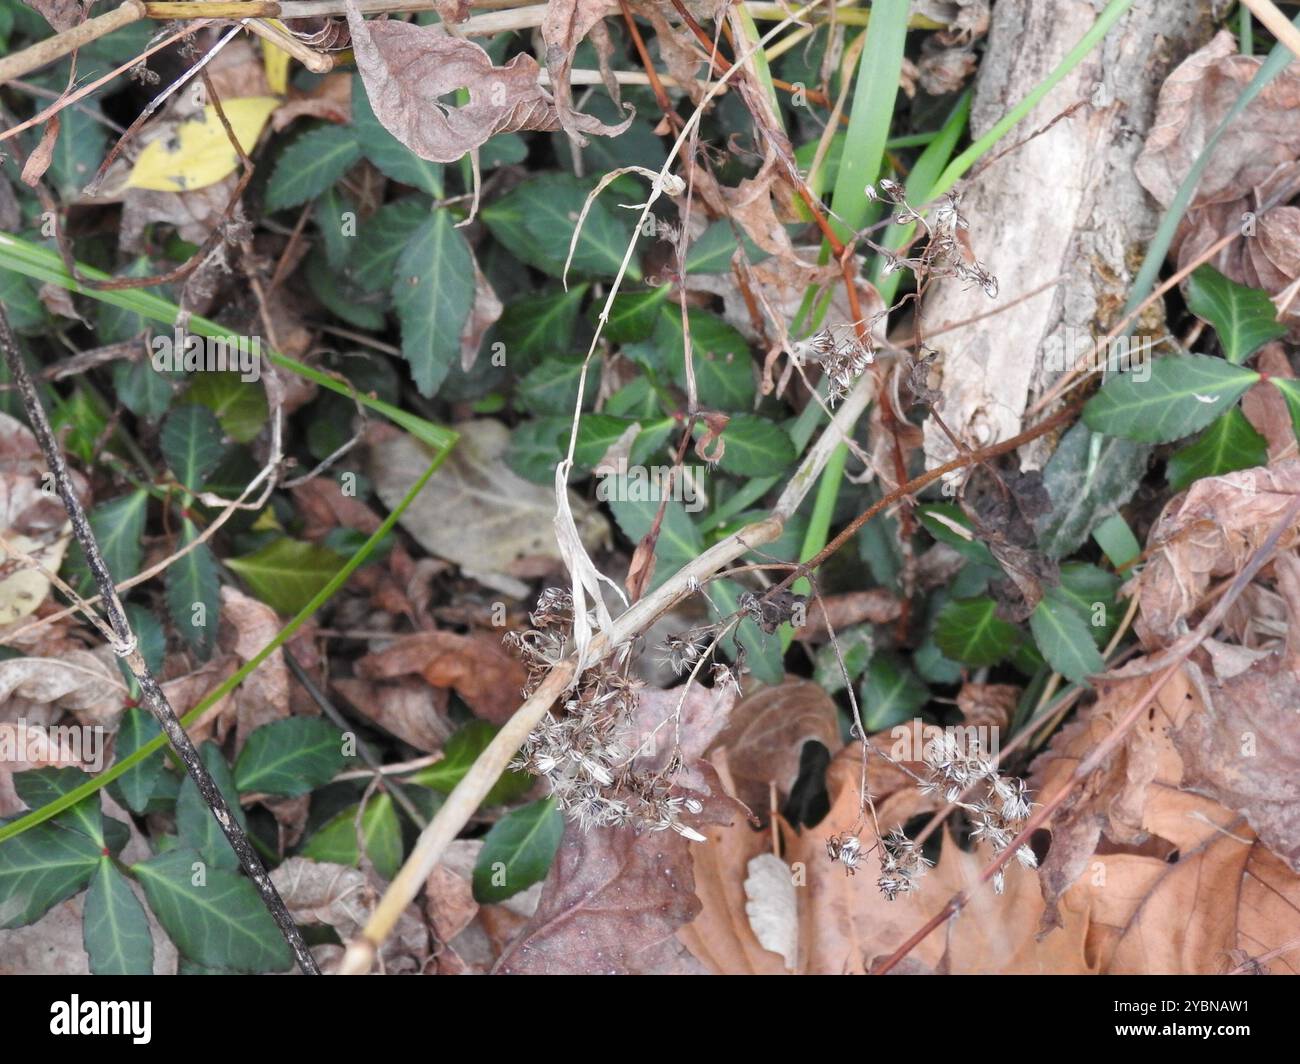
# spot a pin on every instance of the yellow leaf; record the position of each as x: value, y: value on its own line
x: 197, y: 152
x: 267, y: 522
x: 276, y: 61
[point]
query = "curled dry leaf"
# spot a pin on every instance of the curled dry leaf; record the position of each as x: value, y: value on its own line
x: 407, y: 708
x: 330, y: 100
x: 1208, y: 534
x: 873, y: 606
x: 263, y: 697
x: 61, y: 14
x: 26, y: 745
x: 683, y: 722
x: 1256, y: 161
x: 340, y: 897
x: 407, y: 69
x: 610, y: 905
x: 32, y: 521
x: 566, y: 23
x: 1194, y: 100
x: 991, y: 704
x: 81, y: 681
x: 767, y: 734
x: 484, y: 312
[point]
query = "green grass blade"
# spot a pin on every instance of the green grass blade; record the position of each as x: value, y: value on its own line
x: 871, y: 114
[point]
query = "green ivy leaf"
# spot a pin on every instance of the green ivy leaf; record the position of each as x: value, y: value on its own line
x: 890, y: 693
x: 40, y: 868
x: 336, y: 841
x: 1244, y: 318
x: 115, y: 929
x: 138, y: 784
x: 1290, y: 390
x: 240, y: 406
x: 390, y: 155
x: 1083, y: 494
x: 939, y: 519
x: 1091, y: 591
x: 118, y: 525
x: 382, y: 238
x: 310, y: 165
x: 634, y: 505
x: 755, y: 447
x: 1065, y: 638
x: 634, y: 315
x: 1116, y: 540
x: 518, y: 851
x: 191, y: 582
x: 970, y: 631
x: 459, y: 753
x: 433, y: 291
x: 336, y: 236
x: 143, y: 390
x: 535, y: 327
x: 191, y: 443
x: 1229, y: 444
x: 537, y: 446
x: 596, y: 434
x: 215, y: 917
x: 40, y: 786
x: 536, y: 221
x: 196, y: 827
x: 724, y: 369
x: 856, y: 647
x: 713, y: 250
x: 552, y: 387
x: 287, y: 573
x: 1183, y: 394
x: 290, y: 757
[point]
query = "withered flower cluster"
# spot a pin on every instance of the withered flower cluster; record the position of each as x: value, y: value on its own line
x: 587, y: 750
x: 998, y: 806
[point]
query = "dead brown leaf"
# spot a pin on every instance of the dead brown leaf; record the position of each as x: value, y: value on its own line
x: 1244, y: 751
x: 61, y: 14
x: 767, y: 733
x: 610, y: 905
x: 342, y: 898
x: 406, y: 707
x: 566, y: 23
x: 1178, y: 883
x: 476, y: 666
x: 846, y: 924
x: 408, y: 68
x: 1254, y: 162
x: 1206, y: 534
x: 873, y: 606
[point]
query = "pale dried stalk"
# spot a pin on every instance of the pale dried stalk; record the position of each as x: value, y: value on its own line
x: 1275, y: 22
x: 52, y: 48
x: 466, y: 797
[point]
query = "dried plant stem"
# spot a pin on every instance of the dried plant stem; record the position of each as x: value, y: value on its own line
x: 1275, y: 22
x: 124, y: 646
x: 1107, y: 746
x: 52, y: 48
